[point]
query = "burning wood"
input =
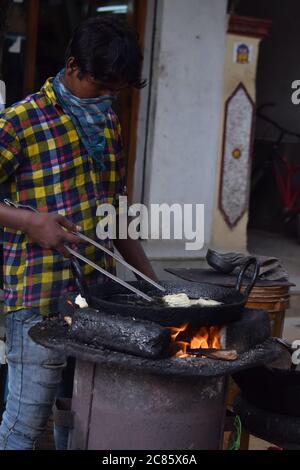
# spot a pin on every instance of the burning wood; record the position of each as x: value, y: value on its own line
x: 222, y: 354
x: 186, y: 338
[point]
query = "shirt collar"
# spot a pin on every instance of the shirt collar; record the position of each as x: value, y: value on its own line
x: 49, y: 92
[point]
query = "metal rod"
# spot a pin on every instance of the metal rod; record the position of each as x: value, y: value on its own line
x: 121, y: 260
x: 106, y: 273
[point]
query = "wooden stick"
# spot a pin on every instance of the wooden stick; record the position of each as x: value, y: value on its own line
x: 222, y: 354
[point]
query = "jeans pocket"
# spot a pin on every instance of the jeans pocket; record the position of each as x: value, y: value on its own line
x: 54, y: 365
x: 54, y: 360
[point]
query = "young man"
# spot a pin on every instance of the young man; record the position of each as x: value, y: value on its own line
x: 60, y: 152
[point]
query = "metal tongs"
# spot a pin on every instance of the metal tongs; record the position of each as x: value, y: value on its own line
x: 75, y: 254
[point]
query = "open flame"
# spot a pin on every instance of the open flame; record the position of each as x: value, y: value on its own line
x: 186, y: 336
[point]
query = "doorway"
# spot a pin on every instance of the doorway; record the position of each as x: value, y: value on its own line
x: 275, y: 182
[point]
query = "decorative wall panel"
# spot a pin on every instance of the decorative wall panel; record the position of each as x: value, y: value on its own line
x: 236, y: 158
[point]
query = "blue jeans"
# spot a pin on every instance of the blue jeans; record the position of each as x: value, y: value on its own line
x: 34, y: 374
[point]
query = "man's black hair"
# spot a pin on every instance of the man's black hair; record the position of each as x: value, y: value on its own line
x: 107, y: 48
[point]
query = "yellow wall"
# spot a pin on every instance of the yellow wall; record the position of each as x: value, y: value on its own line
x: 223, y: 237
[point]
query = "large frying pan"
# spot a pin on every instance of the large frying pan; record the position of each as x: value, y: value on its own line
x: 113, y: 298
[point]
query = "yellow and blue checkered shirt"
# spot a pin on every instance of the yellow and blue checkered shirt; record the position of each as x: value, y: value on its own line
x: 46, y: 166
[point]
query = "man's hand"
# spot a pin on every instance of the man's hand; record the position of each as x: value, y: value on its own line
x: 48, y: 230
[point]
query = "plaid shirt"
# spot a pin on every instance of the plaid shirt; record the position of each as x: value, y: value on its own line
x: 46, y: 166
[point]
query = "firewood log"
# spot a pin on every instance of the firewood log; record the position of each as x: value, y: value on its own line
x: 118, y: 333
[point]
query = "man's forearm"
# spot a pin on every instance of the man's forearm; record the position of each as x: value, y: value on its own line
x: 133, y: 252
x: 14, y: 218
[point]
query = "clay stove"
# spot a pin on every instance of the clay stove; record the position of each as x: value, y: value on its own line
x: 125, y: 402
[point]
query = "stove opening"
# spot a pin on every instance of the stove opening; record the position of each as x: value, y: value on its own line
x: 187, y: 337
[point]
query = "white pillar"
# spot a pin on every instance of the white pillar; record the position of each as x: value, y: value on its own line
x: 185, y: 108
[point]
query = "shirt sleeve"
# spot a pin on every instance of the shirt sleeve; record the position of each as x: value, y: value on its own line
x: 10, y: 150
